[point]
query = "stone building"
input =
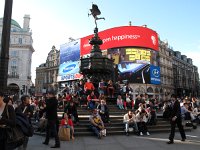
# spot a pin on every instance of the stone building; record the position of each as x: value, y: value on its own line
x: 165, y: 62
x: 186, y: 77
x: 46, y: 74
x: 20, y: 56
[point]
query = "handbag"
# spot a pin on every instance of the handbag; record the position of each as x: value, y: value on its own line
x: 103, y: 132
x: 14, y: 135
x: 64, y: 134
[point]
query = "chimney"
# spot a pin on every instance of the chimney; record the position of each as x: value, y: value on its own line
x: 26, y: 22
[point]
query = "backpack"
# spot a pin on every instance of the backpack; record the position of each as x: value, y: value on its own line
x: 25, y: 125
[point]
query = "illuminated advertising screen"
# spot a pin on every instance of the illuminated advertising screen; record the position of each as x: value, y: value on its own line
x: 134, y: 73
x: 124, y: 36
x: 133, y: 63
x: 139, y: 73
x: 69, y: 61
x: 133, y: 49
x: 155, y: 74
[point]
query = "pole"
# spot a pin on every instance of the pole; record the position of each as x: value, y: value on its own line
x: 5, y: 41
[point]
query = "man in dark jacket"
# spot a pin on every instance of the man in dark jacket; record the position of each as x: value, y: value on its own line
x: 27, y: 110
x: 176, y: 119
x: 52, y: 117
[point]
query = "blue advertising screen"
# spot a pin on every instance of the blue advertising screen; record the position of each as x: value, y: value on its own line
x: 69, y: 61
x: 155, y: 74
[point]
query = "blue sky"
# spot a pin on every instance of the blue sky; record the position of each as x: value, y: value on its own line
x: 54, y: 21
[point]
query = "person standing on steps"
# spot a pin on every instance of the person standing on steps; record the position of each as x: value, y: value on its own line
x: 176, y: 119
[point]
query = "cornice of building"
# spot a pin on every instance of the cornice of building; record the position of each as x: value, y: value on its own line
x: 30, y: 47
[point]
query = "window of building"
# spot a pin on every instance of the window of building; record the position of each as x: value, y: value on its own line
x: 13, y: 69
x: 150, y: 90
x: 13, y: 64
x: 156, y: 90
x: 20, y: 40
x: 13, y: 53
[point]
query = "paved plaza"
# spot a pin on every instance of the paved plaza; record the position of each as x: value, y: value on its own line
x: 156, y: 141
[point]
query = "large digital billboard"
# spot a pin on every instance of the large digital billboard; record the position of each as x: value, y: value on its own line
x: 133, y: 63
x: 124, y: 36
x: 69, y: 61
x: 133, y: 49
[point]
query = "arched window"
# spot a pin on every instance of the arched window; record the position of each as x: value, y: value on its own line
x: 156, y: 90
x: 150, y: 90
x: 140, y: 90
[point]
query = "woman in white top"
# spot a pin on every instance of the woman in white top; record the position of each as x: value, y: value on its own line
x: 141, y: 119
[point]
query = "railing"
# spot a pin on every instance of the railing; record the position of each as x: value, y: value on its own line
x: 13, y: 76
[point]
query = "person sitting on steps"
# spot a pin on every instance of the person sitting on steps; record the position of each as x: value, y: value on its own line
x: 130, y: 121
x: 96, y: 123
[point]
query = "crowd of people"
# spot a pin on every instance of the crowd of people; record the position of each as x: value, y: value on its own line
x: 140, y: 112
x: 190, y: 109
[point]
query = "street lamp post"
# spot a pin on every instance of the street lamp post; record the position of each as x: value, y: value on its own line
x: 5, y: 41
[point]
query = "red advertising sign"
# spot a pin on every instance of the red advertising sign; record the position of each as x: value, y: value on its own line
x: 134, y: 36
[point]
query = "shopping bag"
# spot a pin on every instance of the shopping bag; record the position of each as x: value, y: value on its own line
x: 64, y: 134
x: 103, y: 132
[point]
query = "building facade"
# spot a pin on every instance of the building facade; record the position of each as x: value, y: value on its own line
x: 186, y: 76
x: 20, y: 56
x: 177, y: 74
x: 166, y: 88
x: 165, y: 63
x: 46, y: 74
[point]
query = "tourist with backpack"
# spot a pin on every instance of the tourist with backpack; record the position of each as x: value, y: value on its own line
x: 24, y: 112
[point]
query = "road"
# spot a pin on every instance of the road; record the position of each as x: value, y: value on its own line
x: 156, y: 141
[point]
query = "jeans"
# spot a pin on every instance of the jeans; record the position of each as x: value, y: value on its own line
x: 120, y: 106
x: 142, y: 127
x: 96, y: 130
x: 131, y: 124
